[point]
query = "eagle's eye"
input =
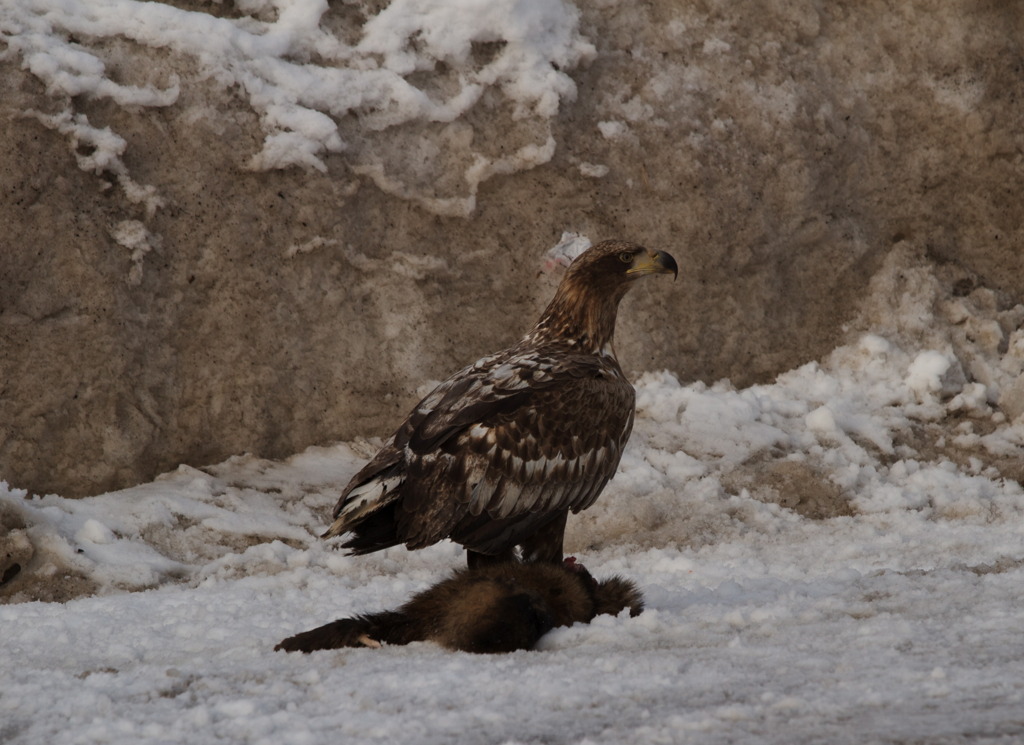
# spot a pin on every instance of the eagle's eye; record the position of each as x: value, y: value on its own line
x: 626, y: 257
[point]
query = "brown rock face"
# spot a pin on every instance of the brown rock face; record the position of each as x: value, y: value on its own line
x: 778, y: 150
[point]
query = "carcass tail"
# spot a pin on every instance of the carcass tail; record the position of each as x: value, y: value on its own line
x: 615, y: 594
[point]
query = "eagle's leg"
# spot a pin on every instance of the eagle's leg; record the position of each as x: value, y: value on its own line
x: 545, y: 545
x: 477, y: 560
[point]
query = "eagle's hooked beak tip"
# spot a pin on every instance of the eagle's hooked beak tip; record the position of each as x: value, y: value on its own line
x: 667, y: 263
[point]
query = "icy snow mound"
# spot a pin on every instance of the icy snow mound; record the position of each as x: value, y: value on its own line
x: 321, y: 80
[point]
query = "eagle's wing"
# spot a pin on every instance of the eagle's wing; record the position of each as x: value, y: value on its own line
x: 488, y: 385
x: 488, y: 458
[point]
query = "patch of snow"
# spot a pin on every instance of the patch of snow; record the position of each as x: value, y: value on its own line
x: 715, y: 46
x: 593, y: 170
x: 563, y: 253
x: 133, y: 235
x: 927, y: 371
x: 613, y: 129
x: 99, y: 150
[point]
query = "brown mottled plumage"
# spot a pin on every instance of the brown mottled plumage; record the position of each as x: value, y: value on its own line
x: 497, y: 455
x: 496, y: 608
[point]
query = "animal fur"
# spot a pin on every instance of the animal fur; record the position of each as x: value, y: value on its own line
x: 494, y: 608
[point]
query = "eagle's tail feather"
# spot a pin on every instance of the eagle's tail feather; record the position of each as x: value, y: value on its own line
x: 361, y: 502
x: 377, y: 530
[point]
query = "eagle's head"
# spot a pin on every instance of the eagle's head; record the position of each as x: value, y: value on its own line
x: 616, y: 264
x: 586, y: 303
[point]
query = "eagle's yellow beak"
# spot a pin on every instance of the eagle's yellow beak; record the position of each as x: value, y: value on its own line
x: 653, y: 262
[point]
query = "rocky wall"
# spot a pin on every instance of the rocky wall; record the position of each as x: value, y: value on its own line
x: 191, y: 269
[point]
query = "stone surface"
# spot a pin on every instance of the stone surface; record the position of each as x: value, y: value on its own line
x: 791, y: 484
x: 779, y: 150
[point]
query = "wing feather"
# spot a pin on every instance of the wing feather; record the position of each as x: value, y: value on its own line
x: 496, y: 448
x: 549, y: 455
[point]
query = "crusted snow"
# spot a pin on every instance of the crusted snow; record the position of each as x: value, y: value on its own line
x: 893, y: 618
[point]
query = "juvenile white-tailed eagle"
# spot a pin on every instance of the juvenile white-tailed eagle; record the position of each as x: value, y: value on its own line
x: 497, y: 455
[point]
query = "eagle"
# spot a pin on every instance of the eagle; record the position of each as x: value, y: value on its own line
x: 497, y: 455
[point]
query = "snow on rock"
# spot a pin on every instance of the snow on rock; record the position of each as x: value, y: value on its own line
x: 316, y: 93
x: 99, y: 150
x: 563, y: 253
x: 930, y: 373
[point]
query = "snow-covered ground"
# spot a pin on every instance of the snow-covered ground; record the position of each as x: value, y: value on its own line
x: 835, y: 557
